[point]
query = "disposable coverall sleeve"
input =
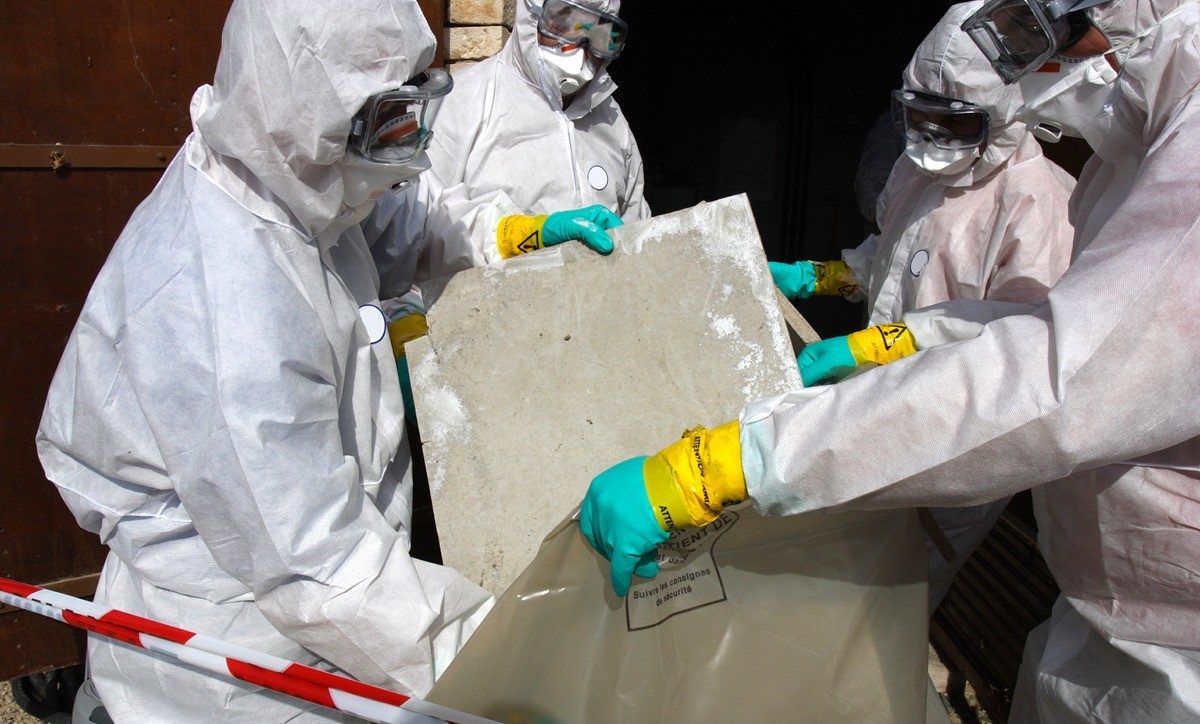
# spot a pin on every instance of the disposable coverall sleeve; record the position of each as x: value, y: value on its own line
x: 958, y: 320
x: 636, y: 208
x: 404, y: 253
x: 1030, y: 254
x: 395, y: 233
x: 860, y: 258
x: 459, y: 221
x: 248, y: 415
x: 1106, y: 371
x: 1034, y: 246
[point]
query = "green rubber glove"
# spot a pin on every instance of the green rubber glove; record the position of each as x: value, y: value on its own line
x: 588, y: 225
x: 832, y: 359
x: 408, y: 324
x: 618, y: 522
x: 826, y: 361
x: 796, y: 281
x: 516, y: 235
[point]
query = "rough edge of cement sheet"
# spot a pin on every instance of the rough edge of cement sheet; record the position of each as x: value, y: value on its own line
x: 799, y: 330
x: 538, y: 373
x: 935, y: 708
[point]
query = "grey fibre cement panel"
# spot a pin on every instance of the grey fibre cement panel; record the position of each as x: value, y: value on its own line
x: 540, y: 372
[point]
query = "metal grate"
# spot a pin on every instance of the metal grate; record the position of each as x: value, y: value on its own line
x: 1001, y: 594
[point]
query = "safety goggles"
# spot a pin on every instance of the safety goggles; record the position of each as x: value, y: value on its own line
x: 946, y: 122
x: 396, y: 125
x: 1019, y: 36
x: 572, y: 23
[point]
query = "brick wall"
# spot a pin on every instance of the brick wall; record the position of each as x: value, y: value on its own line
x: 476, y: 29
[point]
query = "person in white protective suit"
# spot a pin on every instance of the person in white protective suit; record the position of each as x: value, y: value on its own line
x: 535, y: 129
x: 226, y: 415
x: 1092, y: 397
x: 973, y: 211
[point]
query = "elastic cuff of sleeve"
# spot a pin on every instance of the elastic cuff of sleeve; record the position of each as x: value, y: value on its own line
x: 692, y: 480
x: 516, y: 235
x: 406, y: 329
x: 882, y: 344
x: 834, y: 279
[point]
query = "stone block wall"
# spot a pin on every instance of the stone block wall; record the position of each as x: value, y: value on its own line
x: 476, y: 29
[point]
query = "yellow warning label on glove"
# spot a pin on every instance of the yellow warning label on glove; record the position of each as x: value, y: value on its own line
x: 406, y: 329
x: 834, y: 279
x: 516, y: 235
x: 692, y: 480
x: 883, y: 344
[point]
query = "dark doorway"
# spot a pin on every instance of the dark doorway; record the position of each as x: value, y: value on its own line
x: 771, y: 98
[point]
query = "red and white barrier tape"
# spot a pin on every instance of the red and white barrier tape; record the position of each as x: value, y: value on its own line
x: 231, y: 660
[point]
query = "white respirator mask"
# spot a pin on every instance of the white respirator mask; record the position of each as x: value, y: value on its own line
x: 364, y: 181
x: 940, y: 161
x: 1069, y: 98
x: 567, y: 71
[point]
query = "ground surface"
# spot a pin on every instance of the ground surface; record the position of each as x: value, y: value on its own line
x: 10, y: 713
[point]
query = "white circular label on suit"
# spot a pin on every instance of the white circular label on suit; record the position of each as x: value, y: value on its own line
x: 918, y: 263
x: 374, y: 320
x: 598, y: 178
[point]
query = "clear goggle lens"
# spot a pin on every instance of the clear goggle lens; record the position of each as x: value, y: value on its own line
x: 396, y: 125
x: 573, y: 24
x: 1019, y: 36
x: 946, y: 122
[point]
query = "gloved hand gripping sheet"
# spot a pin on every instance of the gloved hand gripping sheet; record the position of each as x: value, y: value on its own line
x: 539, y: 373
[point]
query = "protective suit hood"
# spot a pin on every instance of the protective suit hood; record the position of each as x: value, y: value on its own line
x: 1158, y: 71
x: 1124, y: 21
x: 525, y: 56
x: 950, y: 65
x: 290, y: 77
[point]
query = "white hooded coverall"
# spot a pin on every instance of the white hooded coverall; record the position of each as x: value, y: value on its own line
x: 1095, y: 393
x: 505, y: 145
x: 997, y: 232
x: 227, y: 416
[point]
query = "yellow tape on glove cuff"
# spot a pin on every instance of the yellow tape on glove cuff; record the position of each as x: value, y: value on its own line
x: 881, y: 345
x: 692, y: 480
x: 516, y: 235
x: 834, y: 279
x: 406, y: 329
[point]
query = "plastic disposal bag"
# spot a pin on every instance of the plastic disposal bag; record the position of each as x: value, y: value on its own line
x: 818, y: 618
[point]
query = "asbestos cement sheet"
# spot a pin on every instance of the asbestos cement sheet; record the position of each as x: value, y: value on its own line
x: 539, y: 373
